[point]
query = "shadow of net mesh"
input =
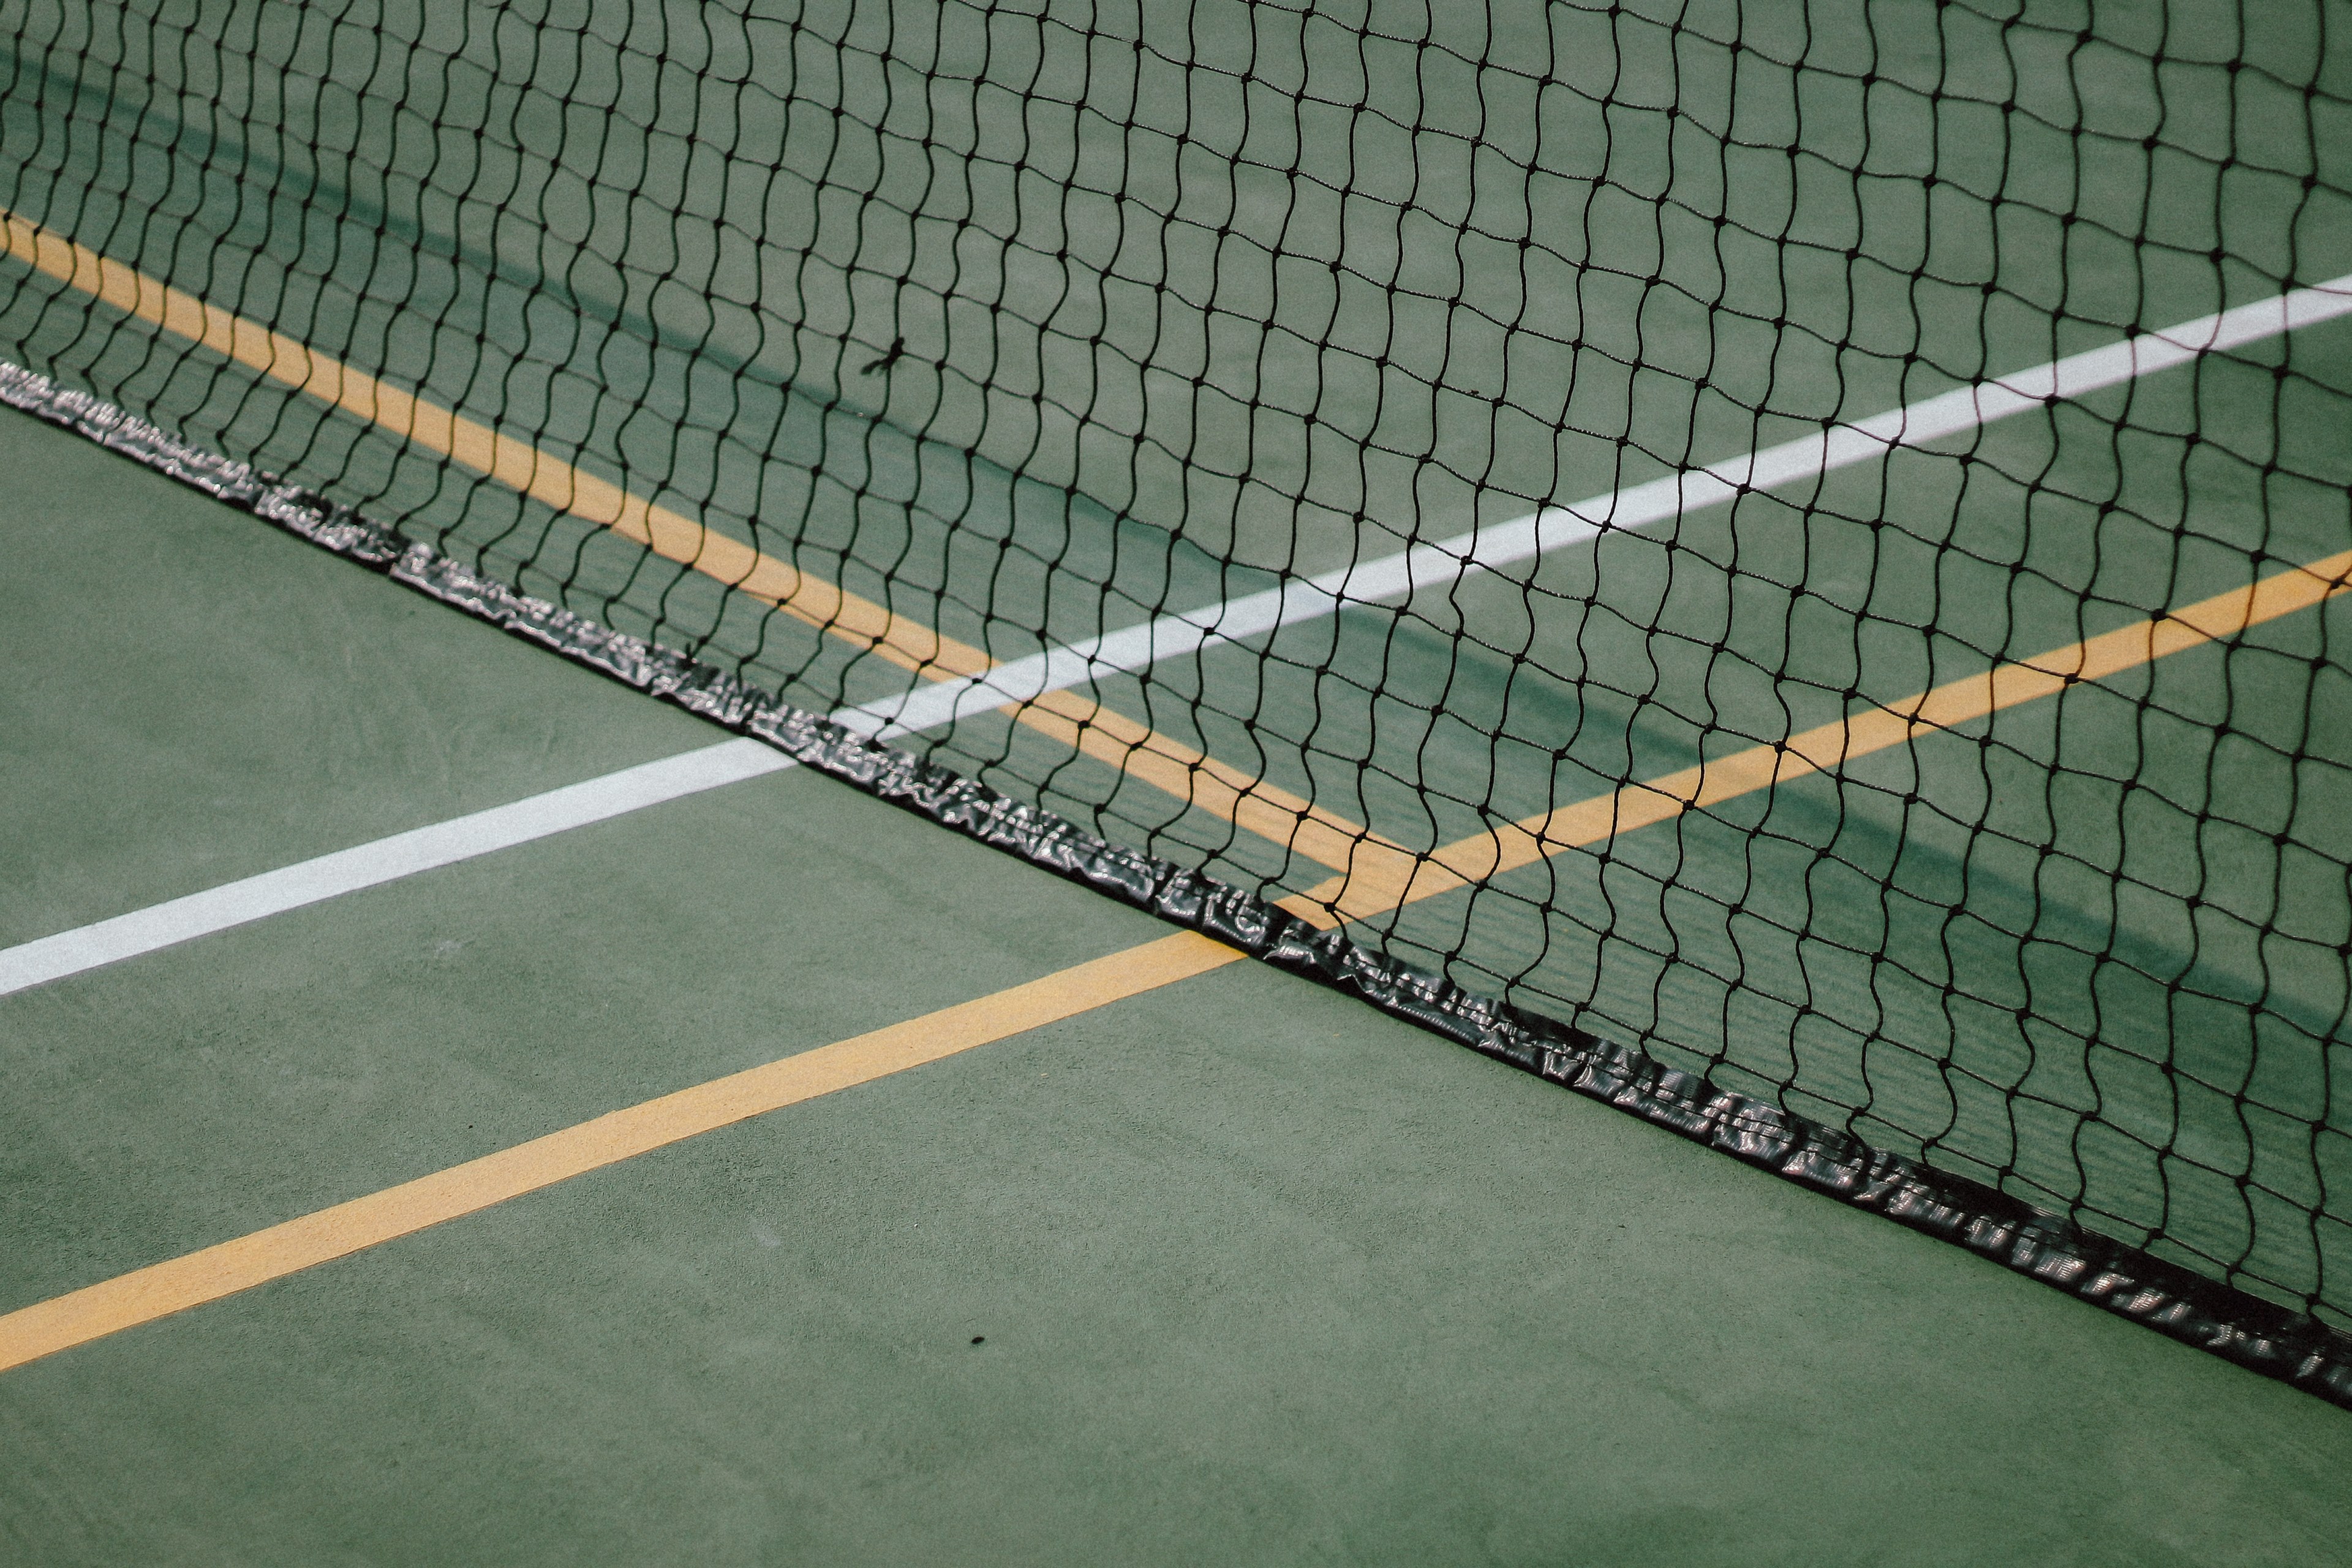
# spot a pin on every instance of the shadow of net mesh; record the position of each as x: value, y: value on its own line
x: 935, y: 338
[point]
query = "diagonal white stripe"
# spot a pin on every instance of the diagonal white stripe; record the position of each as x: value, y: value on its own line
x: 385, y: 860
x: 1395, y: 576
x: 1428, y: 566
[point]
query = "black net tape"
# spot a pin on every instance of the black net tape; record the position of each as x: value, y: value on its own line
x: 856, y: 352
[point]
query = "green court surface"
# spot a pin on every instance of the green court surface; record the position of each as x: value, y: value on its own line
x: 1028, y: 325
x: 1166, y: 321
x: 1238, y: 1270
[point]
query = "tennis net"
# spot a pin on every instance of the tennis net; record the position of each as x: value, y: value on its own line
x: 1790, y: 551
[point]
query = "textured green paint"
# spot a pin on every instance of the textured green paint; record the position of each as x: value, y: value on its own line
x: 1261, y: 1275
x: 1723, y: 247
x: 194, y: 697
x: 1261, y: 1278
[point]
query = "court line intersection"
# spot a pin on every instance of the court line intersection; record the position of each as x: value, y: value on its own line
x: 1378, y: 877
x: 158, y: 1291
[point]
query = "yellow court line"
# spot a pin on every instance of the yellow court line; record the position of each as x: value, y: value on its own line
x: 1382, y: 875
x: 1381, y: 880
x: 161, y: 1289
x: 1136, y: 750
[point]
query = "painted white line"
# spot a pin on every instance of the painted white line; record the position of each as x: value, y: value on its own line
x: 1427, y: 566
x: 1135, y: 648
x: 385, y: 860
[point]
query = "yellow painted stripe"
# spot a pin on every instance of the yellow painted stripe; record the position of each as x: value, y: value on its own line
x: 1382, y: 875
x: 1077, y: 721
x: 146, y: 1294
x: 1380, y: 879
x: 1218, y: 788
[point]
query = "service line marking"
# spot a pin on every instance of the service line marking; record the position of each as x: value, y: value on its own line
x: 161, y: 1289
x: 1035, y: 689
x: 1079, y: 721
x: 1427, y: 567
x: 213, y: 1273
x: 191, y: 1280
x: 370, y: 864
x: 1380, y: 880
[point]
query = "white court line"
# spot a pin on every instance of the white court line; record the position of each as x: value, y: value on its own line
x: 1425, y: 566
x: 385, y: 860
x: 1394, y: 576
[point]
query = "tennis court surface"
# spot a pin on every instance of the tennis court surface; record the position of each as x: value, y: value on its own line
x: 957, y: 651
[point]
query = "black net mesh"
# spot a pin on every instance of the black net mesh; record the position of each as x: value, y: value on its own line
x: 868, y: 349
